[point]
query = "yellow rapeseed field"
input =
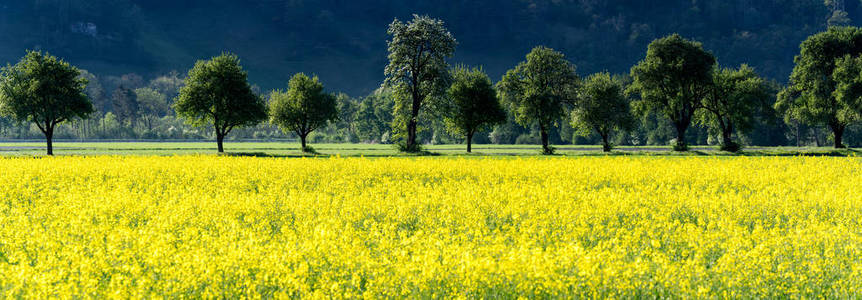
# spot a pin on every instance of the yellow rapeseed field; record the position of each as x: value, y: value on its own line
x: 604, y: 227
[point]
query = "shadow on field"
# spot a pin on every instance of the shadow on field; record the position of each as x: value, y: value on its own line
x: 323, y: 155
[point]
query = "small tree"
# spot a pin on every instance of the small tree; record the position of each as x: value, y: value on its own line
x: 303, y: 108
x: 602, y: 108
x: 44, y: 90
x: 417, y: 69
x: 217, y: 93
x: 124, y: 102
x: 732, y: 102
x: 675, y: 75
x: 811, y: 96
x: 473, y: 104
x: 152, y: 105
x: 539, y: 90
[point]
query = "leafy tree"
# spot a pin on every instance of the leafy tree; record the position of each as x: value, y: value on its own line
x: 675, y: 75
x: 811, y: 94
x: 417, y: 69
x: 168, y: 85
x: 43, y: 90
x: 602, y: 108
x: 347, y: 108
x: 473, y: 104
x: 539, y: 90
x: 95, y: 92
x: 125, y: 105
x: 217, y: 93
x: 848, y: 92
x: 303, y: 108
x: 374, y: 116
x: 151, y: 105
x: 732, y: 103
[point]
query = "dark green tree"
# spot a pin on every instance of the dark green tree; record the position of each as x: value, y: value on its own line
x: 124, y: 102
x: 675, y: 75
x: 732, y: 103
x: 417, y: 70
x: 152, y: 105
x: 538, y: 91
x: 472, y: 104
x: 374, y: 117
x: 848, y: 92
x: 44, y: 90
x: 217, y: 93
x: 602, y: 108
x: 303, y: 108
x: 810, y: 97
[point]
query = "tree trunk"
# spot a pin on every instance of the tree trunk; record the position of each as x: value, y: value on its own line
x: 302, y: 141
x: 411, y: 135
x: 49, y: 136
x: 726, y: 135
x: 606, y: 146
x: 680, y: 138
x: 546, y: 149
x: 413, y: 123
x: 220, y: 141
x: 838, y: 136
x: 470, y: 142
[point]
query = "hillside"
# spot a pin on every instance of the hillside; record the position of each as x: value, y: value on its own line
x: 345, y: 41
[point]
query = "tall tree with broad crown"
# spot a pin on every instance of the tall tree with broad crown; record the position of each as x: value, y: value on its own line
x: 44, y: 90
x: 417, y: 70
x: 812, y: 96
x: 303, y: 108
x: 732, y: 103
x: 602, y: 108
x: 673, y: 78
x: 540, y: 90
x: 472, y: 104
x: 217, y: 93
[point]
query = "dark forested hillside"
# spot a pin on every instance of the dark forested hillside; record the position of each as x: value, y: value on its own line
x: 345, y: 41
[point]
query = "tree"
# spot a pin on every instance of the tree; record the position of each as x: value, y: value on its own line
x: 810, y: 97
x: 44, y: 90
x: 732, y: 103
x: 539, y: 90
x: 168, y: 85
x: 473, y: 104
x: 417, y: 69
x: 217, y: 93
x: 374, y: 116
x: 152, y: 105
x: 347, y: 108
x: 848, y: 92
x: 675, y: 75
x: 303, y: 108
x: 602, y: 108
x: 125, y: 105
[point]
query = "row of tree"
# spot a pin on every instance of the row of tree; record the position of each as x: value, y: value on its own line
x: 678, y: 81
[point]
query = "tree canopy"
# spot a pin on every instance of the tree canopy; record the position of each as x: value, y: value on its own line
x: 473, y: 104
x: 673, y: 78
x: 732, y: 102
x: 810, y: 97
x: 217, y: 93
x: 539, y: 91
x: 43, y: 90
x: 602, y: 108
x: 417, y: 69
x: 304, y: 108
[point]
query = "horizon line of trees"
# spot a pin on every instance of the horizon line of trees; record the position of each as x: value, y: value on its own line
x: 678, y: 95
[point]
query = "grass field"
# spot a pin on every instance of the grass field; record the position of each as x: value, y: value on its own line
x: 205, y: 226
x: 369, y: 150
